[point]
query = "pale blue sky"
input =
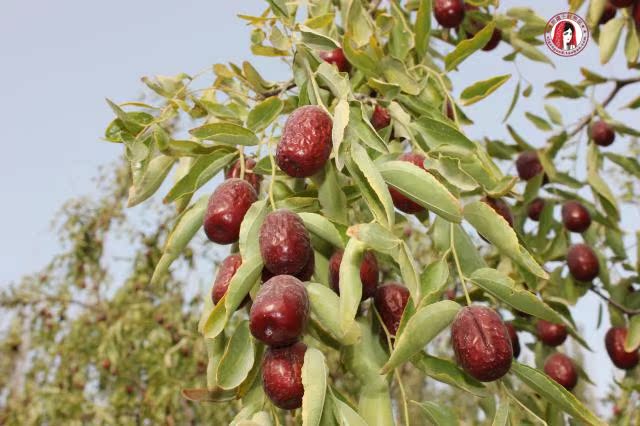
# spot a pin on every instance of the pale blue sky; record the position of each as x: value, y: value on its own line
x: 61, y: 59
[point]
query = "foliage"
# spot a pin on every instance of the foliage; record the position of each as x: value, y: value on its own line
x: 400, y: 60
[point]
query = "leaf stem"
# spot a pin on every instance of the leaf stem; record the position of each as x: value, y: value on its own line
x: 615, y: 304
x: 405, y: 406
x: 459, y: 269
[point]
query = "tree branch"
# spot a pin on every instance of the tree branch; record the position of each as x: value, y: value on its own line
x: 619, y: 84
x: 615, y: 304
x: 282, y: 87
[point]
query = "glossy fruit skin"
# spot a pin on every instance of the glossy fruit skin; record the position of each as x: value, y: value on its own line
x: 608, y: 13
x: 226, y: 271
x: 400, y: 201
x: 337, y: 58
x: 636, y: 13
x: 496, y: 38
x: 575, y: 216
x: 369, y: 273
x: 282, y: 375
x: 583, y: 262
x: 390, y: 300
x: 528, y: 165
x: 380, y: 118
x: 500, y: 207
x: 253, y: 178
x: 449, y: 109
x: 551, y: 334
x: 481, y: 343
x: 535, y: 209
x: 561, y: 369
x: 602, y: 133
x: 622, y: 3
x: 227, y: 206
x: 449, y: 13
x: 614, y: 341
x: 305, y: 273
x: 515, y: 342
x: 284, y: 243
x: 280, y: 311
x: 306, y: 143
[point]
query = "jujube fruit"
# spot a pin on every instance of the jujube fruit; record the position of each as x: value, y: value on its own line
x: 515, y: 342
x: 561, y: 369
x: 583, y: 262
x: 226, y: 271
x: 306, y: 142
x: 602, y: 133
x: 614, y: 341
x: 401, y: 201
x: 253, y: 178
x: 369, y: 273
x: 534, y: 210
x: 280, y: 311
x: 390, y: 300
x: 500, y: 207
x: 575, y: 216
x: 380, y: 118
x: 481, y: 343
x: 449, y: 13
x: 622, y: 3
x: 337, y: 58
x: 226, y: 209
x: 608, y: 13
x: 284, y: 242
x: 493, y: 42
x: 282, y: 375
x: 551, y: 334
x: 528, y: 165
x: 305, y: 273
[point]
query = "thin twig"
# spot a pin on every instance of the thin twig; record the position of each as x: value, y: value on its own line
x: 281, y: 88
x: 615, y: 304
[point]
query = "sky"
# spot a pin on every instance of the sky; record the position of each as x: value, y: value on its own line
x: 60, y: 60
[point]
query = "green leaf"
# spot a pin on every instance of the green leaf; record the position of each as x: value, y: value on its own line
x: 338, y: 84
x: 529, y: 50
x: 375, y: 236
x: 359, y: 58
x: 470, y: 258
x: 554, y: 114
x: 345, y: 415
x: 409, y: 271
x: 554, y: 393
x: 632, y: 342
x: 538, y: 121
x: 438, y: 133
x: 438, y: 414
x: 350, y: 283
x: 395, y: 71
x: 599, y: 186
x: 279, y: 7
x: 340, y: 123
x: 503, y: 288
x: 243, y: 280
x: 502, y: 414
x: 447, y: 372
x: 209, y: 395
x: 227, y: 133
x: 563, y: 89
x: 250, y: 228
x: 332, y: 199
x: 423, y: 326
x: 422, y: 28
x: 263, y: 114
x: 401, y: 39
x: 323, y: 228
x: 514, y: 101
x: 632, y: 43
x: 238, y: 358
x: 467, y: 47
x: 361, y: 126
x: 316, y: 40
x: 481, y: 89
x: 609, y: 37
x: 314, y: 381
x: 187, y: 224
x: 634, y: 104
x: 433, y: 280
x: 359, y: 24
x: 149, y: 182
x: 374, y: 189
x: 201, y: 171
x: 420, y: 186
x: 325, y: 307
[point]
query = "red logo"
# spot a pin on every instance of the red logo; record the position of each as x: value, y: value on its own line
x: 566, y: 34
